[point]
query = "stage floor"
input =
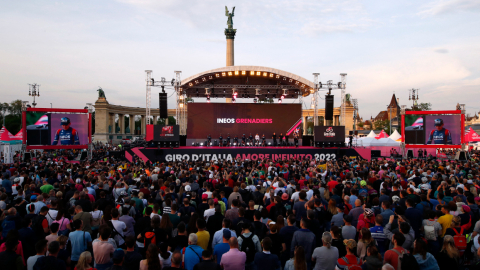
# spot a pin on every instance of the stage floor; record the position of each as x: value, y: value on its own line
x: 191, y: 153
x: 248, y: 147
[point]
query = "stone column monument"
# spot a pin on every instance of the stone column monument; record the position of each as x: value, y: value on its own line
x: 230, y: 35
x: 102, y: 118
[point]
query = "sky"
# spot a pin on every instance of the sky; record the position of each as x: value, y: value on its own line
x: 71, y: 48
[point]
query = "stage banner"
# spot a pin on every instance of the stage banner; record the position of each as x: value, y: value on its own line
x: 330, y: 134
x: 236, y: 119
x: 227, y: 153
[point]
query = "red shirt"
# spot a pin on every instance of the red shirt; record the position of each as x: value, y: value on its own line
x: 391, y: 256
x: 332, y: 184
x: 352, y: 260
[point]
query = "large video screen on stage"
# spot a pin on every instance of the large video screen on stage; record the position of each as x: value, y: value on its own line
x: 237, y: 119
x: 433, y: 129
x: 68, y: 129
x: 330, y: 134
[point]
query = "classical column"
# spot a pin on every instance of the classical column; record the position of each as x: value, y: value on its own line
x: 112, y: 123
x: 143, y: 125
x: 121, y: 123
x: 131, y: 123
x: 230, y: 35
x: 102, y: 120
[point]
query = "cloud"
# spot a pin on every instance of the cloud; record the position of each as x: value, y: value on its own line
x: 441, y: 50
x: 442, y: 7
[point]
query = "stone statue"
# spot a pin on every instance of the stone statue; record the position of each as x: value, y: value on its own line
x: 230, y: 16
x: 101, y: 94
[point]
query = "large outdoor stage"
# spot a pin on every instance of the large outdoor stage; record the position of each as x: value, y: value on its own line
x: 252, y: 153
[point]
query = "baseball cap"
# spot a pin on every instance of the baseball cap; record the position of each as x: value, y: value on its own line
x: 438, y: 122
x: 227, y: 234
x: 215, y: 201
x: 348, y: 218
x: 284, y: 196
x: 204, y: 196
x: 34, y: 197
x: 339, y: 206
x: 16, y: 180
x: 118, y: 254
x: 188, y: 188
x: 64, y: 121
x: 363, y: 183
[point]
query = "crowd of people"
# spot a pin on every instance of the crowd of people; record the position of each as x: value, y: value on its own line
x: 239, y: 214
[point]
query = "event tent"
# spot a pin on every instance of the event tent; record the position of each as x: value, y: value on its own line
x: 395, y: 136
x: 366, y: 141
x: 472, y: 136
x: 19, y: 135
x: 5, y: 135
x: 382, y: 134
x: 385, y: 142
x: 371, y: 134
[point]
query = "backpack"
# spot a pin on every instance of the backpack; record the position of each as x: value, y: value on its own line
x: 150, y: 237
x: 352, y: 266
x: 406, y: 261
x: 460, y: 241
x: 248, y: 247
x: 239, y: 227
x: 259, y: 231
x: 429, y: 230
x: 7, y: 225
x: 37, y: 226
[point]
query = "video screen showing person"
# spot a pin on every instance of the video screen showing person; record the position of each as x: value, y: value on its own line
x: 442, y: 129
x: 68, y: 129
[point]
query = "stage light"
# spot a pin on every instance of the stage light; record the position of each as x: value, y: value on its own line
x: 224, y: 91
x: 254, y: 100
x: 236, y: 72
x: 268, y: 91
x: 233, y: 100
x: 282, y: 96
x: 201, y: 144
x: 279, y: 101
x: 269, y: 143
x: 193, y: 144
x: 208, y: 99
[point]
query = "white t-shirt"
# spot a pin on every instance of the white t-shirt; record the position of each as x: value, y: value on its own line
x: 51, y: 216
x: 295, y: 197
x: 32, y: 260
x: 166, y: 262
x: 119, y: 227
x: 209, y: 212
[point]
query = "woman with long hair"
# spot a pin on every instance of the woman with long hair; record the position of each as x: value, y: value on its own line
x: 63, y: 222
x: 151, y: 262
x: 448, y: 257
x: 164, y: 255
x: 331, y: 211
x: 84, y: 261
x: 298, y: 261
x: 365, y: 242
x: 107, y: 215
x: 425, y: 260
x: 166, y: 225
x: 192, y: 224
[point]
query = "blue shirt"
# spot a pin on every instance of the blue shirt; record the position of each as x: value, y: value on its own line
x: 219, y: 250
x: 7, y: 184
x: 218, y: 236
x: 79, y: 240
x: 353, y: 198
x: 380, y: 237
x: 193, y: 253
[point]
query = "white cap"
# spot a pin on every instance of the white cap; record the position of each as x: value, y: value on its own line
x: 188, y: 188
x: 16, y: 179
x: 78, y: 180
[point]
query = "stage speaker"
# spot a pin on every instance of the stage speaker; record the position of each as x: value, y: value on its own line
x: 409, y: 153
x: 328, y: 107
x: 376, y: 153
x: 350, y: 132
x: 461, y: 156
x: 83, y: 155
x: 163, y: 105
x: 26, y: 156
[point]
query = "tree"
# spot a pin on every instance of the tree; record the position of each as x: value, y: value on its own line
x: 385, y: 125
x: 360, y: 124
x: 16, y: 107
x: 422, y: 107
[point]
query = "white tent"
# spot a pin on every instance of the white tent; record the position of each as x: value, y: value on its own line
x: 385, y: 142
x: 371, y: 134
x: 366, y: 141
x: 395, y: 135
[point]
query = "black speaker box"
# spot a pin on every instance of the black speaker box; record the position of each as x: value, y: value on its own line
x: 163, y: 105
x: 329, y: 107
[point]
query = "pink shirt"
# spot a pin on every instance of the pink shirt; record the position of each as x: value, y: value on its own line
x: 102, y: 251
x: 234, y: 259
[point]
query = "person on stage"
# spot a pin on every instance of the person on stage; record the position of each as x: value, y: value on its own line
x: 220, y: 140
x: 274, y: 137
x: 209, y: 139
x: 264, y: 140
x: 244, y: 139
x: 286, y: 140
x: 235, y: 140
x: 350, y: 141
x: 228, y: 140
x: 295, y: 139
x: 420, y: 153
x: 250, y: 139
x: 280, y: 139
x: 257, y: 140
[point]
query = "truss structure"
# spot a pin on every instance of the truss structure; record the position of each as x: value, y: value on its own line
x: 343, y: 107
x: 315, y: 99
x: 148, y: 97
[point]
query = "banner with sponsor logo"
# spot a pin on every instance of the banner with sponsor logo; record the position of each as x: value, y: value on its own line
x: 159, y: 133
x: 218, y: 154
x: 330, y: 134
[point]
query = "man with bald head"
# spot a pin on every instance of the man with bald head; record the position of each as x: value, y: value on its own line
x: 234, y: 259
x: 356, y: 212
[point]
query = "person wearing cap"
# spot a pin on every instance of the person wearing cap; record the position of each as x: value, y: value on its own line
x: 326, y: 256
x: 118, y: 258
x: 222, y: 248
x: 203, y: 205
x: 337, y: 219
